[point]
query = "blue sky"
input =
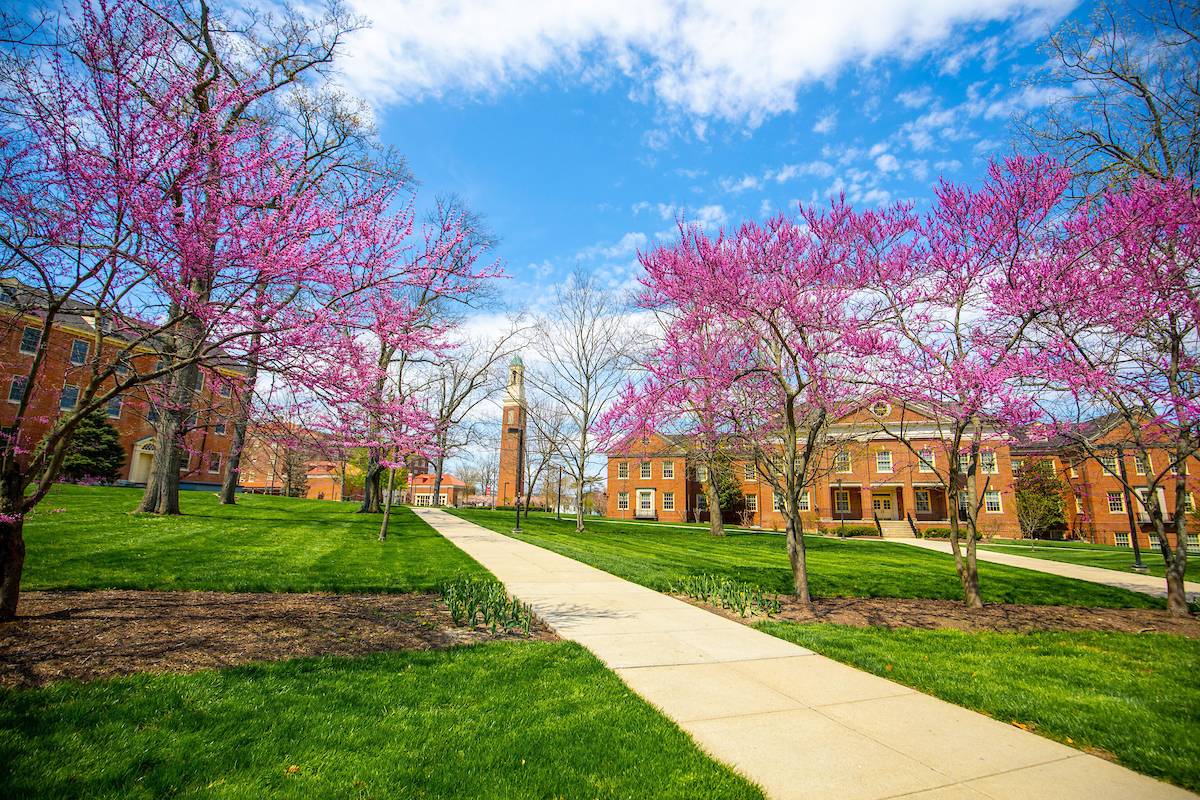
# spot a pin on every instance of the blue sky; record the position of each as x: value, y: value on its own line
x: 581, y: 131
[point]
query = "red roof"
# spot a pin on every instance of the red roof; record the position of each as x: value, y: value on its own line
x: 428, y: 479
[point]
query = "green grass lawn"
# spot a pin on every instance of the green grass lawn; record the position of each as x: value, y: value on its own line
x: 262, y: 544
x: 1132, y: 695
x: 512, y: 720
x: 656, y: 557
x: 1092, y: 555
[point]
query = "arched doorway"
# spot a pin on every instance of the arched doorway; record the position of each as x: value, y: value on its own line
x: 143, y: 460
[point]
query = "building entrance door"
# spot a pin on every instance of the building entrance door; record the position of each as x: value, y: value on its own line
x: 645, y: 504
x: 884, y: 505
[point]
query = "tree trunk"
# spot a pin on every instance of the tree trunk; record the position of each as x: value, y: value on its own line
x: 1177, y: 603
x: 716, y: 525
x: 371, y: 487
x: 12, y: 559
x: 233, y: 467
x: 968, y: 570
x: 579, y: 507
x: 438, y: 469
x: 387, y: 504
x: 798, y: 558
x: 162, y: 485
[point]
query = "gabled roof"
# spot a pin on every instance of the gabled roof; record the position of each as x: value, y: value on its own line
x: 427, y: 479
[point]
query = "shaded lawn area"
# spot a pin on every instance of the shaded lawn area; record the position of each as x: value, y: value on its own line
x: 1134, y: 696
x: 837, y: 568
x: 262, y: 544
x: 1093, y: 555
x: 513, y: 720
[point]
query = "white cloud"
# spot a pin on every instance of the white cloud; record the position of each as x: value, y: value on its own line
x: 627, y: 245
x: 741, y: 61
x: 745, y: 183
x: 887, y: 163
x: 826, y: 123
x: 915, y: 98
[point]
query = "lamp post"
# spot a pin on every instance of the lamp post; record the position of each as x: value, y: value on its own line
x: 520, y: 432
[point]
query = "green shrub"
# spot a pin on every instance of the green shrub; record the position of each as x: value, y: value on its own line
x: 856, y: 530
x: 944, y: 533
x: 728, y: 593
x: 483, y: 601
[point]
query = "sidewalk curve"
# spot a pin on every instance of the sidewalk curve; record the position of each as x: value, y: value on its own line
x: 1146, y: 584
x: 796, y: 723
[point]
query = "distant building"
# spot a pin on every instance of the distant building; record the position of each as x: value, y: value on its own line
x: 512, y: 435
x: 420, y: 490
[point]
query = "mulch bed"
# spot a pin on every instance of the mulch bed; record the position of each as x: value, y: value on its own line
x: 998, y: 617
x: 87, y: 635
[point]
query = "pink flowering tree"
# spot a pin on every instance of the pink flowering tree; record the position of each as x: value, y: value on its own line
x: 761, y: 338
x: 1121, y: 340
x: 129, y: 205
x: 947, y: 300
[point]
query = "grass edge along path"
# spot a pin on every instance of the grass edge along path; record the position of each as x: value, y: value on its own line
x: 837, y: 568
x: 1117, y: 559
x: 1131, y: 697
x: 514, y: 720
x: 90, y: 538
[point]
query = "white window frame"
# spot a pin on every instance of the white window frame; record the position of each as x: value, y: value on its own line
x: 887, y: 455
x: 37, y: 343
x: 1192, y: 543
x: 115, y: 404
x: 622, y: 470
x: 646, y: 470
x: 804, y: 503
x: 838, y: 496
x: 751, y: 502
x: 668, y: 470
x: 219, y: 426
x: 776, y: 502
x: 964, y: 463
x: 1141, y: 467
x: 842, y: 462
x: 645, y: 495
x: 702, y: 502
x: 1121, y: 502
x: 702, y: 474
x: 1079, y: 502
x: 988, y: 496
x: 1018, y: 464
x: 622, y: 501
x: 87, y: 351
x: 1104, y: 461
x: 1073, y: 469
x: 61, y: 395
x: 668, y: 501
x: 749, y: 475
x: 212, y: 471
x: 926, y: 464
x: 923, y: 493
x: 1118, y: 536
x: 12, y: 385
x: 1189, y: 502
x: 989, y: 462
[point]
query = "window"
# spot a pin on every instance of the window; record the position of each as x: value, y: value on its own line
x: 964, y: 503
x: 645, y: 501
x: 114, y: 408
x: 121, y: 367
x: 1193, y: 543
x: 226, y: 389
x: 926, y: 458
x: 1141, y: 464
x: 1073, y: 470
x: 668, y: 469
x: 1078, y: 502
x: 964, y: 463
x: 748, y: 473
x: 30, y: 339
x: 214, y: 462
x: 152, y: 414
x: 1018, y: 465
x: 7, y: 297
x: 512, y: 416
x: 803, y: 505
x: 1109, y: 464
x: 987, y: 462
x: 841, y: 461
x: 668, y: 501
x: 1122, y: 539
x: 991, y: 502
x: 622, y: 469
x: 752, y: 503
x: 198, y: 384
x: 1189, y: 503
x: 701, y: 502
x: 1116, y: 502
x: 645, y: 470
x: 883, y: 461
x: 702, y: 474
x: 69, y: 398
x: 841, y: 502
x: 79, y: 351
x: 1179, y: 468
x: 16, y: 389
x: 622, y: 501
x: 922, y: 501
x: 881, y: 408
x: 219, y: 426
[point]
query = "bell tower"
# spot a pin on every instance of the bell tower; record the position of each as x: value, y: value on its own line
x: 512, y: 436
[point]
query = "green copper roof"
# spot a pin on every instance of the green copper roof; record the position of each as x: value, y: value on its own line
x: 516, y: 362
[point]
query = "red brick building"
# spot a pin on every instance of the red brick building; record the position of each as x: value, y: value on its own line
x: 68, y: 367
x: 869, y: 475
x: 512, y: 435
x: 1095, y: 503
x: 420, y: 490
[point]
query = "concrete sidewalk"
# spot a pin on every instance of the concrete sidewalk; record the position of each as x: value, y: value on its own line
x: 1146, y: 584
x: 797, y: 724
